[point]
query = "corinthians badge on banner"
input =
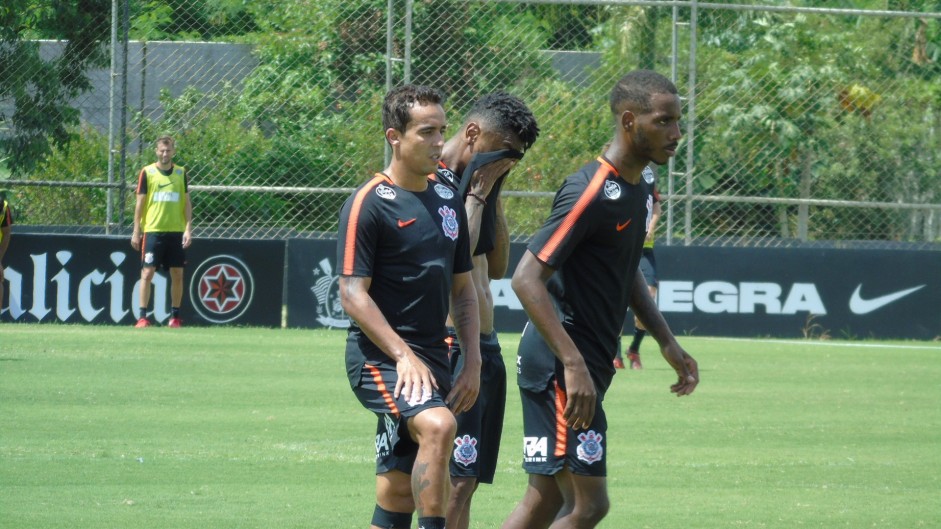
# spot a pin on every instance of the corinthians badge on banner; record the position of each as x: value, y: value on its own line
x: 327, y: 291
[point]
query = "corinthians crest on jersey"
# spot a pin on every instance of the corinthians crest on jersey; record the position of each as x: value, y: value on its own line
x: 449, y: 222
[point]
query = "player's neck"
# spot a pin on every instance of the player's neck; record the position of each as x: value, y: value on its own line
x: 451, y: 154
x: 166, y: 167
x: 408, y: 180
x: 628, y: 166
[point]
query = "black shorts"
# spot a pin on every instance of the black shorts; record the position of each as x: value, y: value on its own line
x: 163, y: 250
x: 480, y: 429
x: 549, y: 445
x: 395, y: 449
x: 648, y: 267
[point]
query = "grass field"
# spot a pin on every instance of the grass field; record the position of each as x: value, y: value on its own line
x: 208, y: 428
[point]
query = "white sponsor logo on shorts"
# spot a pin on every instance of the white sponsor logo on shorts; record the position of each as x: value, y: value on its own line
x: 535, y: 449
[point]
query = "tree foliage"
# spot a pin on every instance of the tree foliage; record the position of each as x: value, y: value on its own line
x: 39, y: 88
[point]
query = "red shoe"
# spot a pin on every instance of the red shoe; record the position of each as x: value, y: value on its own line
x: 618, y: 363
x: 175, y: 323
x: 141, y: 323
x: 634, y: 358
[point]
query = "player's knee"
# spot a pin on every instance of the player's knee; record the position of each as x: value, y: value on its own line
x: 435, y: 426
x: 396, y: 496
x: 462, y: 489
x: 592, y: 511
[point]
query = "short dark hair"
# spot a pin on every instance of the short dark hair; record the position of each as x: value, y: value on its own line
x: 165, y: 140
x: 635, y: 89
x: 507, y: 113
x: 399, y: 101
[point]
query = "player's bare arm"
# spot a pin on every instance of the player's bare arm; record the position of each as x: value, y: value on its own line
x: 687, y: 370
x: 139, y: 207
x: 654, y: 219
x: 465, y: 315
x: 529, y: 283
x: 415, y: 379
x: 481, y: 184
x: 498, y: 259
x: 188, y: 230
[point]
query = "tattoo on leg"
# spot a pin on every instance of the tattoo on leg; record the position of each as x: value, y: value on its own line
x: 419, y: 484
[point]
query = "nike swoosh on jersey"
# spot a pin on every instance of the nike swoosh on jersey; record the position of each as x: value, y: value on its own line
x: 409, y: 222
x: 621, y: 227
x: 165, y: 185
x: 861, y: 306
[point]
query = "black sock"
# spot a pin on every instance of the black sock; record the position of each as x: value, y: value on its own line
x: 143, y: 312
x: 431, y: 522
x: 174, y: 312
x: 638, y: 337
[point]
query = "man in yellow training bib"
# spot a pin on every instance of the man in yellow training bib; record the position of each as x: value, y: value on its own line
x: 164, y: 214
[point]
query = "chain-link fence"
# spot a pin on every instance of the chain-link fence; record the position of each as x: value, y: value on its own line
x: 801, y: 124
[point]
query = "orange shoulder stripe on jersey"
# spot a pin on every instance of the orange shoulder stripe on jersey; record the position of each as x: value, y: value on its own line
x: 587, y: 196
x: 561, y: 429
x: 349, y: 247
x: 383, y: 389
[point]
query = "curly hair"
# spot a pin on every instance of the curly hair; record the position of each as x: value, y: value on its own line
x: 507, y: 113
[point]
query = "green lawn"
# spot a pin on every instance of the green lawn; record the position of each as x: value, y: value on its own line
x: 105, y: 427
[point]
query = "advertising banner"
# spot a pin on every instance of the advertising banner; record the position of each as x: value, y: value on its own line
x: 714, y: 291
x: 87, y: 279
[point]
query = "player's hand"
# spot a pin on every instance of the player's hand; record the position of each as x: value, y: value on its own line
x: 581, y: 397
x: 135, y: 241
x: 687, y: 370
x: 466, y: 387
x: 187, y: 239
x: 483, y: 180
x: 415, y: 381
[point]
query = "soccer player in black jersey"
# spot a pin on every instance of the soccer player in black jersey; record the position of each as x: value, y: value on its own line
x: 496, y: 132
x: 403, y: 253
x: 575, y: 282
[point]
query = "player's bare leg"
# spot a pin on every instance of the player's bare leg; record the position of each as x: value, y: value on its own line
x: 433, y: 429
x: 394, y: 493
x: 539, y: 506
x: 146, y: 277
x: 588, y: 496
x: 462, y: 494
x: 176, y: 286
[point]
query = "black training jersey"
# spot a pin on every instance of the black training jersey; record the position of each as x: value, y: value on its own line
x: 487, y: 240
x: 593, y: 238
x: 410, y: 244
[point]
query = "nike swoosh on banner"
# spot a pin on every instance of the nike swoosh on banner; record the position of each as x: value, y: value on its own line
x: 861, y: 306
x: 621, y: 227
x: 404, y: 223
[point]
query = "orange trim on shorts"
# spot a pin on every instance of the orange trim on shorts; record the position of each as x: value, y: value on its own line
x: 561, y: 430
x: 381, y: 386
